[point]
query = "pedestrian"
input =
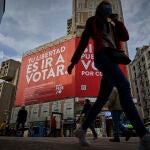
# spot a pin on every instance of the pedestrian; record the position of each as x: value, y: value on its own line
x: 107, y: 32
x: 114, y: 106
x: 46, y: 123
x: 21, y: 118
x: 3, y: 126
x: 84, y: 113
x: 7, y: 128
x: 53, y: 127
x: 46, y: 126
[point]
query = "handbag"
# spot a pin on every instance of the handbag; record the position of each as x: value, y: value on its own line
x: 118, y: 56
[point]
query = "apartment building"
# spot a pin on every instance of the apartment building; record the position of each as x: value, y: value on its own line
x: 9, y: 73
x: 140, y: 78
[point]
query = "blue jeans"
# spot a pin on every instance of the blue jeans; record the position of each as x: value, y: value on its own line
x: 117, y: 125
x: 113, y: 76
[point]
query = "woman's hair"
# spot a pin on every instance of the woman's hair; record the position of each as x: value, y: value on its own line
x: 99, y: 14
x: 99, y: 8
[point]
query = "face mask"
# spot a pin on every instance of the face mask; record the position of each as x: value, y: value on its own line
x: 107, y: 9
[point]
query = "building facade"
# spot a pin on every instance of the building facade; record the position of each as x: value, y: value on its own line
x: 9, y: 73
x: 140, y: 71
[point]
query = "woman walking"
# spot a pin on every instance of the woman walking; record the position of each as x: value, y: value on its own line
x: 107, y: 32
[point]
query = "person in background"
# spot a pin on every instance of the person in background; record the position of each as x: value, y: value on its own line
x: 114, y: 106
x: 46, y: 125
x: 7, y: 129
x: 3, y: 126
x: 84, y: 113
x: 107, y: 32
x: 21, y: 118
x: 53, y: 127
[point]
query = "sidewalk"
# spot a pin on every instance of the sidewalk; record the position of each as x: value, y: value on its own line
x: 63, y: 143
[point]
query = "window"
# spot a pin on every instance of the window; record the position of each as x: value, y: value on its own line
x: 148, y: 53
x: 90, y: 14
x: 91, y: 5
x: 139, y: 64
x: 114, y: 6
x: 78, y: 17
x: 134, y: 74
x: 143, y: 58
x: 147, y: 83
x: 145, y: 74
x: 80, y: 4
x: 81, y: 18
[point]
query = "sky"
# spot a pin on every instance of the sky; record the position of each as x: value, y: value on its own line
x: 27, y: 24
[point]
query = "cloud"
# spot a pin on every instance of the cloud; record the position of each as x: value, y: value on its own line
x: 20, y: 45
x: 137, y: 20
x: 6, y: 40
x: 1, y: 55
x: 29, y: 24
x: 17, y: 58
x: 4, y: 57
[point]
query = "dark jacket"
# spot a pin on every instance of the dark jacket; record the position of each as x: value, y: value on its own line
x: 22, y: 116
x: 119, y: 31
x: 53, y: 123
x: 86, y: 108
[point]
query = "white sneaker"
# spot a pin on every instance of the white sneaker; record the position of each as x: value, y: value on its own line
x: 145, y: 143
x: 80, y: 133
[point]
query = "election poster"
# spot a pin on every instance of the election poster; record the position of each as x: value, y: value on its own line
x: 43, y: 74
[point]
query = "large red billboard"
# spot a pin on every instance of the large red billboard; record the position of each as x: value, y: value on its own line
x: 43, y: 75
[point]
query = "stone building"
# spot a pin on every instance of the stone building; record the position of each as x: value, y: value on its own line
x: 9, y: 73
x: 140, y: 78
